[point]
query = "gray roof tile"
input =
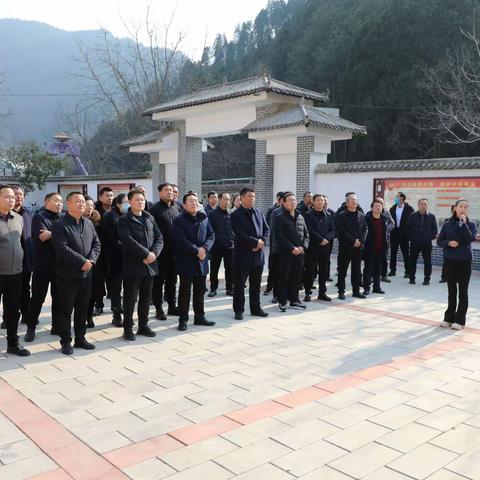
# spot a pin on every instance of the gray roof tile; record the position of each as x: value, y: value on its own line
x: 152, y: 137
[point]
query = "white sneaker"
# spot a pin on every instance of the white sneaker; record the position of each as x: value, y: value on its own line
x: 444, y: 324
x: 457, y: 326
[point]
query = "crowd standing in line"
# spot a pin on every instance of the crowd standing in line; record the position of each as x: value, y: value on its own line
x: 126, y: 244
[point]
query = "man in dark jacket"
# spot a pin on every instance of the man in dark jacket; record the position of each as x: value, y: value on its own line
x: 290, y: 235
x: 148, y: 204
x: 11, y: 255
x: 272, y: 279
x: 399, y: 237
x: 251, y: 232
x: 321, y: 229
x: 351, y: 232
x: 194, y: 238
x: 376, y: 244
x: 332, y: 213
x: 212, y: 202
x: 343, y: 206
x: 306, y: 204
x: 142, y: 243
x: 421, y: 230
x: 77, y: 248
x: 43, y: 263
x: 165, y: 211
x: 223, y: 247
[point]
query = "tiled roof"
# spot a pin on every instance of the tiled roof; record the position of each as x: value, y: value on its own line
x: 462, y: 163
x: 307, y: 116
x: 152, y: 137
x: 236, y: 89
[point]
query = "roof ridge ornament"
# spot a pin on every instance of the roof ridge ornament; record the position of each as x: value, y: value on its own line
x: 306, y: 118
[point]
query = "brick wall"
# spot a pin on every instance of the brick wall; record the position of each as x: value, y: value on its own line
x: 305, y: 146
x: 158, y: 171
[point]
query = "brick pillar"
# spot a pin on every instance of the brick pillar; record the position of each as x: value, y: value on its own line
x: 158, y: 170
x: 263, y: 166
x: 305, y: 146
x: 189, y: 161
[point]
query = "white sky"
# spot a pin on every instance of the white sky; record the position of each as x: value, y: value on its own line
x: 195, y: 18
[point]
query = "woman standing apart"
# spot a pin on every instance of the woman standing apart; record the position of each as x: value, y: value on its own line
x: 456, y: 237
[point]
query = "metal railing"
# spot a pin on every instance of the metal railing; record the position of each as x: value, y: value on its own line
x: 230, y: 181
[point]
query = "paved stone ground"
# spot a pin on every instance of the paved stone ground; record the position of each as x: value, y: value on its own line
x: 365, y: 389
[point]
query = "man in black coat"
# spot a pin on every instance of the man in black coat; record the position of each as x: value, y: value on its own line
x: 77, y: 248
x: 142, y: 243
x: 219, y: 219
x: 306, y: 204
x: 351, y: 232
x: 376, y: 244
x: 43, y: 263
x: 332, y: 213
x: 165, y: 211
x: 251, y: 232
x: 290, y: 235
x: 272, y: 279
x: 321, y: 229
x: 421, y: 230
x: 399, y: 237
x: 194, y: 238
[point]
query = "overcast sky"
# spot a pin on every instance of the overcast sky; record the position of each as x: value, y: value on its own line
x: 195, y: 18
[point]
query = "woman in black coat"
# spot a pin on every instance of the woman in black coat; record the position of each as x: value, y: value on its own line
x: 456, y: 237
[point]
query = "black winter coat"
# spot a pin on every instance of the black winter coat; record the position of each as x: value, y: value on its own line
x: 350, y: 226
x: 74, y: 243
x: 370, y: 238
x: 222, y: 227
x: 111, y: 243
x: 43, y: 252
x: 289, y: 231
x: 321, y: 225
x: 421, y: 233
x: 138, y: 240
x: 191, y: 233
x: 164, y: 215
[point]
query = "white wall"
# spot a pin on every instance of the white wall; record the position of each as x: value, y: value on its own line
x: 284, y: 173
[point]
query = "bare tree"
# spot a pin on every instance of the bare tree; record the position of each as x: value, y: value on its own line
x: 454, y: 89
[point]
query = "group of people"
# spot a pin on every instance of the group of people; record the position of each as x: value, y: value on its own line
x: 127, y: 246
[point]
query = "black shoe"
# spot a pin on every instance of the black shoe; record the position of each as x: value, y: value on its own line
x: 229, y: 293
x: 298, y: 305
x: 204, y: 322
x: 259, y: 313
x: 18, y: 350
x: 128, y: 335
x: 98, y: 311
x: 3, y: 325
x: 146, y: 331
x: 378, y: 290
x: 117, y: 320
x: 341, y: 296
x: 391, y: 273
x: 173, y: 311
x: 267, y: 291
x: 90, y: 323
x: 412, y: 281
x: 359, y: 295
x: 282, y: 308
x: 30, y: 335
x: 366, y: 292
x: 314, y: 287
x: 67, y: 349
x: 386, y: 280
x: 213, y: 293
x: 274, y: 299
x: 239, y: 316
x: 406, y: 275
x: 160, y: 315
x: 329, y: 279
x: 54, y: 331
x: 426, y: 282
x: 308, y: 298
x: 324, y: 297
x: 81, y: 342
x: 182, y: 325
x: 442, y: 280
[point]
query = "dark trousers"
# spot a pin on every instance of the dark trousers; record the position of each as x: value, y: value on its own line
x: 373, y: 269
x: 427, y: 261
x: 254, y: 276
x: 216, y: 258
x: 41, y: 280
x: 272, y: 279
x: 317, y: 259
x: 100, y: 278
x: 116, y: 292
x: 290, y: 270
x: 167, y: 278
x: 184, y: 291
x: 330, y: 248
x: 10, y: 292
x: 458, y: 277
x: 133, y: 289
x: 25, y: 295
x: 399, y: 240
x: 384, y: 262
x: 72, y: 294
x: 346, y: 255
